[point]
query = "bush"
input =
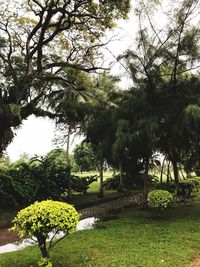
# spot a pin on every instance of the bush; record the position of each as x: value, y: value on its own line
x: 171, y: 187
x: 196, y: 182
x: 37, y: 179
x: 185, y: 188
x: 112, y: 183
x: 81, y: 184
x: 130, y: 182
x: 159, y: 199
x: 42, y: 218
x: 6, y: 190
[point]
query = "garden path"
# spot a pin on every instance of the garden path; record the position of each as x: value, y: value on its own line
x: 99, y: 210
x: 196, y: 261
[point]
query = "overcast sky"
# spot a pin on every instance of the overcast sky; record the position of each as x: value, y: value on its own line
x: 36, y: 134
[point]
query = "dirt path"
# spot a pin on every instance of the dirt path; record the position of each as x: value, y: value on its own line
x: 7, y: 236
x: 195, y: 262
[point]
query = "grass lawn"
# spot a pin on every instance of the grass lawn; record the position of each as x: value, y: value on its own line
x: 132, y: 240
x: 94, y: 187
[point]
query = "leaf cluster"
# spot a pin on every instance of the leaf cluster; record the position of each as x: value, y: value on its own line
x: 45, y: 217
x: 159, y: 199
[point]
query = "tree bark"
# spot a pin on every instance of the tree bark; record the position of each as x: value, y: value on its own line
x: 168, y: 171
x: 175, y: 169
x: 101, y: 192
x: 181, y: 171
x: 42, y: 245
x: 146, y: 181
x: 121, y: 182
x: 68, y: 158
x: 1, y: 151
x: 162, y: 168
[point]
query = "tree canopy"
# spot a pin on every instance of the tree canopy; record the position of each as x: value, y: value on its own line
x: 41, y: 44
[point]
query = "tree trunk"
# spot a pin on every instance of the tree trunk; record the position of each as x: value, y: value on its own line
x: 68, y: 159
x: 42, y: 245
x: 146, y: 181
x: 1, y: 151
x: 175, y: 169
x: 162, y: 168
x: 121, y: 182
x: 101, y: 193
x: 168, y: 171
x: 181, y: 171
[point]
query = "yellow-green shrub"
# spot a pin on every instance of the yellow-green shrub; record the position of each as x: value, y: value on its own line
x: 159, y: 199
x: 41, y: 218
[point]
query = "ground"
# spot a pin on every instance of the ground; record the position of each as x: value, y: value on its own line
x: 196, y: 261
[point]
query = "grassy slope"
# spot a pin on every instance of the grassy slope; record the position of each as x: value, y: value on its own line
x: 134, y: 239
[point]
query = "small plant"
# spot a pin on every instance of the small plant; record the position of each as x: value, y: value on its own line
x: 159, y: 199
x: 44, y: 262
x: 40, y: 219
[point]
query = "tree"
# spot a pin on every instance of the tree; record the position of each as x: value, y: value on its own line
x: 98, y: 126
x: 84, y: 157
x: 41, y: 219
x: 4, y: 162
x: 40, y: 45
x: 162, y: 67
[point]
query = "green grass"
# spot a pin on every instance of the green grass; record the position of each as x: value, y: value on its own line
x: 134, y: 239
x: 94, y: 187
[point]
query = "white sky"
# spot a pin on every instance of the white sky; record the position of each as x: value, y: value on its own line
x: 36, y: 134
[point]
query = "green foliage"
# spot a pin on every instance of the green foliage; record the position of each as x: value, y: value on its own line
x: 26, y: 181
x: 4, y: 163
x: 44, y: 217
x: 7, y: 194
x: 81, y: 184
x: 193, y: 111
x: 159, y: 199
x: 84, y: 157
x: 185, y: 188
x: 41, y: 218
x: 24, y: 75
x: 171, y: 187
x: 196, y: 182
x: 44, y: 262
x: 136, y: 182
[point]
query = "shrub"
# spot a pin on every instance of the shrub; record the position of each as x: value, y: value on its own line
x: 42, y: 218
x: 6, y: 190
x: 112, y: 183
x: 171, y: 187
x: 185, y: 188
x: 81, y: 184
x: 196, y: 182
x: 130, y: 182
x: 159, y: 199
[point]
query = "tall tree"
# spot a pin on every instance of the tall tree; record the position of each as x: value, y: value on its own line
x: 84, y: 157
x: 39, y: 41
x: 163, y: 67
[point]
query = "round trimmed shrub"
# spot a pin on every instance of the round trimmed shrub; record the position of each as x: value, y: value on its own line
x: 159, y: 199
x: 42, y: 218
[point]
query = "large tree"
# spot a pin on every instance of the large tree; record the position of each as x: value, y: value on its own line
x: 164, y: 69
x: 84, y: 157
x: 40, y: 43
